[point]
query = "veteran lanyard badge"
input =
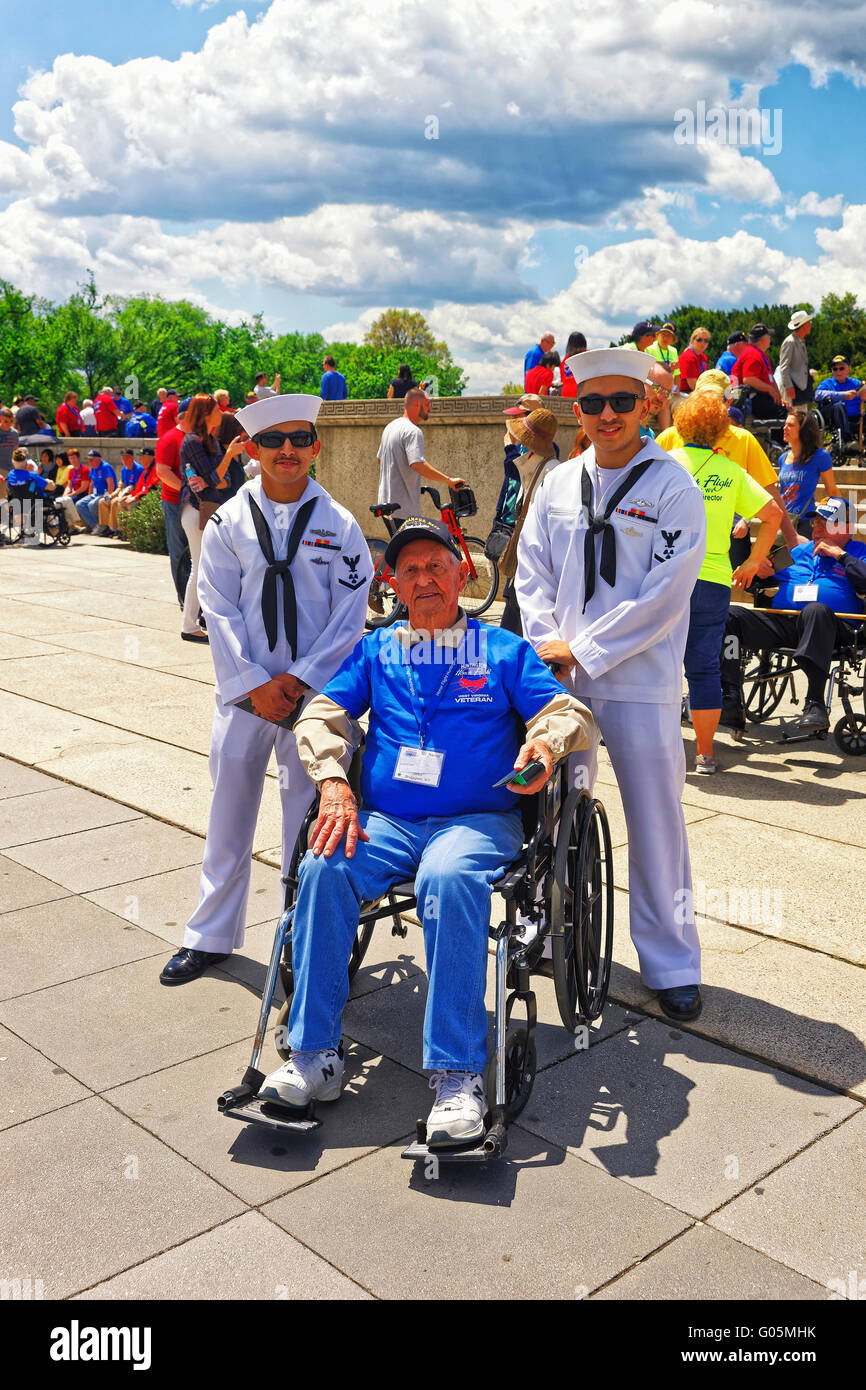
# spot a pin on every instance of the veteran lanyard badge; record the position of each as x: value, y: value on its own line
x: 421, y: 765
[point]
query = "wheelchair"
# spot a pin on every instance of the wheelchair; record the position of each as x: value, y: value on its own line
x: 767, y: 677
x: 567, y: 854
x: 26, y: 508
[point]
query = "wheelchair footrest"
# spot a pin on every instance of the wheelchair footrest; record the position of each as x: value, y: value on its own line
x: 242, y: 1104
x: 492, y: 1144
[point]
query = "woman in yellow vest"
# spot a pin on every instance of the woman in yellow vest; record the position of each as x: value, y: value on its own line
x: 729, y: 493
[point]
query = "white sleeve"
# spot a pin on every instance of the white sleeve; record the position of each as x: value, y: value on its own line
x: 350, y: 576
x: 415, y: 447
x: 535, y: 583
x: 219, y: 592
x: 664, y: 594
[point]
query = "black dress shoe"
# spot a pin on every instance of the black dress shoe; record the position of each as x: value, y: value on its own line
x: 682, y: 1003
x: 188, y: 964
x: 814, y: 716
x: 194, y: 637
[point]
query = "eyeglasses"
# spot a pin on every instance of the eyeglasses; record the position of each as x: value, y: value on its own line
x: 843, y: 367
x: 621, y: 402
x: 702, y: 340
x: 275, y: 439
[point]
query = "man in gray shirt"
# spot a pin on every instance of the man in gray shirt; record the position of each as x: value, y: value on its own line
x: 401, y: 458
x: 794, y: 378
x: 8, y: 439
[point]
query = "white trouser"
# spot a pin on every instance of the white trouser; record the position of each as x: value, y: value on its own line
x: 645, y: 744
x: 69, y: 508
x: 241, y: 746
x: 192, y: 530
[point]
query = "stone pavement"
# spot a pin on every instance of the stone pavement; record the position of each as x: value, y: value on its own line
x: 722, y: 1160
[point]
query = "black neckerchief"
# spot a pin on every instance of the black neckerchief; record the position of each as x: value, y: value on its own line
x: 595, y: 523
x: 280, y: 567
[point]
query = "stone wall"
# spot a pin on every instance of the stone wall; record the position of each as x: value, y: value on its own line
x: 463, y: 437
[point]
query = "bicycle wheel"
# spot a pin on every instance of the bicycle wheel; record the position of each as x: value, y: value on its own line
x: 481, y: 589
x: 383, y: 605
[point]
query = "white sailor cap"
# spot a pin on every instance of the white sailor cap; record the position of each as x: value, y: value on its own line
x: 276, y: 410
x: 584, y: 366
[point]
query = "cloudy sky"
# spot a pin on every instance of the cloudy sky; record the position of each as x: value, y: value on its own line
x: 503, y: 167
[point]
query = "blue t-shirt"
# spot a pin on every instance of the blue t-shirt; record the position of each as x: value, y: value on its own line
x: 532, y: 358
x: 834, y: 587
x: 22, y: 477
x: 141, y: 424
x: 333, y: 387
x: 130, y: 476
x: 797, y: 481
x: 495, y: 684
x: 123, y: 405
x: 832, y: 390
x: 726, y: 362
x: 99, y: 477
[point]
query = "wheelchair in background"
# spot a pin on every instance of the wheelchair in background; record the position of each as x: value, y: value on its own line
x: 28, y: 513
x: 560, y: 888
x: 768, y: 677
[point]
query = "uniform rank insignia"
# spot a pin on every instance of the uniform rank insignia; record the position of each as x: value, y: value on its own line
x: 320, y: 544
x: 355, y: 580
x: 669, y: 539
x: 314, y: 532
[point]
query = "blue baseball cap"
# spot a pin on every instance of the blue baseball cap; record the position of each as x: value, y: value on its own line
x: 419, y: 528
x: 836, y: 510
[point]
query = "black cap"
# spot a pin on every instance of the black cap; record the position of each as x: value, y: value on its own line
x: 738, y: 337
x: 641, y: 329
x: 150, y: 452
x: 94, y: 454
x: 419, y: 528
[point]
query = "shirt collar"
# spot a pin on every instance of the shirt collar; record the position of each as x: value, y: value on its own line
x: 409, y: 636
x: 313, y: 489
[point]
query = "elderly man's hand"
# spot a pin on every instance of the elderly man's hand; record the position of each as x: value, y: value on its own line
x: 536, y: 748
x: 338, y: 816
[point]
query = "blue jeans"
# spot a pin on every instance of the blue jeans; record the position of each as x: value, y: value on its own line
x: 178, y: 550
x: 88, y: 509
x: 453, y: 864
x: 709, y: 613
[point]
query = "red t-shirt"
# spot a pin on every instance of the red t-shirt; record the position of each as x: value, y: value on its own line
x: 167, y: 418
x: 68, y: 416
x: 107, y: 414
x: 78, y: 478
x: 168, y: 452
x: 569, y: 385
x: 752, y: 362
x: 147, y: 480
x: 536, y: 378
x: 688, y: 360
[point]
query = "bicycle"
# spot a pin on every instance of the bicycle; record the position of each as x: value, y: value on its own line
x: 482, y: 586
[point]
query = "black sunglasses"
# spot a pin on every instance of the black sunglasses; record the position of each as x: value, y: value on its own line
x: 621, y: 402
x: 275, y: 439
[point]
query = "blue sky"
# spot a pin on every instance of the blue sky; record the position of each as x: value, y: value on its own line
x: 280, y: 161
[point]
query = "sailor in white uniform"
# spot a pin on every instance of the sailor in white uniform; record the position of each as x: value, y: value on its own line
x: 607, y: 561
x: 283, y: 583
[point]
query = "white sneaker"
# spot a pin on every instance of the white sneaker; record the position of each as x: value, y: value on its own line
x: 459, y: 1109
x: 705, y: 763
x: 304, y: 1077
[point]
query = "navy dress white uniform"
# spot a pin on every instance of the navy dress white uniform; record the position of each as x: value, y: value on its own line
x: 607, y: 561
x: 265, y: 618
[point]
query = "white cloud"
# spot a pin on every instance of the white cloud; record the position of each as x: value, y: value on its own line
x: 813, y: 205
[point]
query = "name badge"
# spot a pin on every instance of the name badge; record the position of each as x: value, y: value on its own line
x: 805, y: 593
x: 423, y: 766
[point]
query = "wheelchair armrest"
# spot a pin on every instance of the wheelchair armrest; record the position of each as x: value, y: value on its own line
x: 511, y: 880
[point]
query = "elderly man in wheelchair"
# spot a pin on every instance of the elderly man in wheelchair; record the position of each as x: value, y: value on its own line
x: 826, y: 579
x: 448, y: 699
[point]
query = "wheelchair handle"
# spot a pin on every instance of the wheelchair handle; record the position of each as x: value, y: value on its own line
x: 434, y: 495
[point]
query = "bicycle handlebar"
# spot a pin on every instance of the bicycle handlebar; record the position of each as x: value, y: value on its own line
x: 434, y: 496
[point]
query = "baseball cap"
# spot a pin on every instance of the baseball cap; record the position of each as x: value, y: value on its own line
x: 526, y: 404
x: 419, y: 528
x: 94, y: 454
x: 839, y: 361
x: 151, y: 453
x: 668, y: 327
x: 641, y: 329
x: 837, y: 511
x: 738, y: 337
x: 714, y: 379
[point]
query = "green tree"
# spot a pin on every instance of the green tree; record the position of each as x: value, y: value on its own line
x: 400, y: 329
x: 88, y: 337
x: 512, y: 388
x: 160, y: 343
x: 32, y: 354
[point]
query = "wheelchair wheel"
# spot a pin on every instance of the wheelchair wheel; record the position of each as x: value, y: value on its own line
x: 767, y: 678
x: 581, y: 915
x: 482, y: 590
x: 63, y: 538
x: 850, y: 734
x: 383, y: 605
x: 520, y: 1069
